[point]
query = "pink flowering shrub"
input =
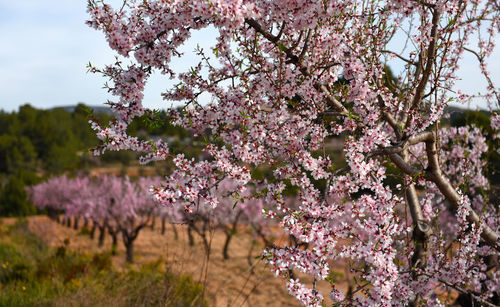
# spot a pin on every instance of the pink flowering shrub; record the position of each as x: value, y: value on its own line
x: 286, y: 77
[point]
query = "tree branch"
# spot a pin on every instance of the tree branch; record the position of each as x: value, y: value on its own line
x: 433, y: 173
x: 400, y: 57
x: 421, y: 230
x: 431, y: 54
x: 296, y: 61
x: 463, y: 291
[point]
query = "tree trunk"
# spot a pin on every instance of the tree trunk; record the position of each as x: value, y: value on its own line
x: 52, y: 214
x: 114, y: 244
x: 229, y: 234
x: 75, y: 224
x: 92, y: 230
x: 153, y: 222
x: 176, y: 234
x: 102, y: 233
x: 68, y: 222
x: 190, y: 235
x: 163, y: 225
x: 225, y: 254
x: 85, y: 222
x: 129, y: 246
x: 114, y: 237
x: 203, y: 235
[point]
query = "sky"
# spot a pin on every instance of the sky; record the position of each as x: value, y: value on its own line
x: 45, y: 46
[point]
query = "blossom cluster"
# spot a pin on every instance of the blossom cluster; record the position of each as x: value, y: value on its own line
x: 285, y: 79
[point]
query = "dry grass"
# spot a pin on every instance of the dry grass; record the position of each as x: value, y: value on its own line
x: 227, y: 283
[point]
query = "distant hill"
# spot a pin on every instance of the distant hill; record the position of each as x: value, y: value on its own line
x: 96, y: 109
x: 459, y: 110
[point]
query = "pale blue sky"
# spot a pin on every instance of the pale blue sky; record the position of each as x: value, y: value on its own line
x: 45, y: 46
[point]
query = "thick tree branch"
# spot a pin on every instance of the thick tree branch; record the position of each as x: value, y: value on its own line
x: 403, y: 165
x: 388, y: 117
x: 433, y: 173
x: 421, y: 230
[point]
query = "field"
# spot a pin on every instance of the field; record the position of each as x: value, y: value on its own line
x: 233, y: 282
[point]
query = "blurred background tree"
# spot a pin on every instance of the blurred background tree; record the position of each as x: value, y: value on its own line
x: 36, y: 144
x: 481, y: 119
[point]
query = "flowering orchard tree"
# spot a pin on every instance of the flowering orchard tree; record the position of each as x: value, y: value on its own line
x: 61, y: 195
x: 287, y: 76
x: 231, y: 211
x: 122, y: 206
x: 73, y: 197
x: 78, y: 199
x: 114, y: 204
x: 50, y: 195
x: 133, y: 211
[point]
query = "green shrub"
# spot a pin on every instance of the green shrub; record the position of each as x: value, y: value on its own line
x: 13, y: 266
x: 63, y: 265
x: 101, y: 261
x: 84, y: 231
x: 31, y: 274
x: 186, y: 292
x: 22, y: 236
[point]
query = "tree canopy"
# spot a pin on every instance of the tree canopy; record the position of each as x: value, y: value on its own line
x: 286, y: 77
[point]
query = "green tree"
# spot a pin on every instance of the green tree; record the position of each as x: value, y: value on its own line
x: 16, y: 153
x: 13, y: 195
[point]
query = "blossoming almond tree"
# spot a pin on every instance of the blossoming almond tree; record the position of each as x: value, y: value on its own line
x: 52, y: 195
x: 233, y: 211
x: 114, y: 204
x: 287, y: 76
x: 128, y: 208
